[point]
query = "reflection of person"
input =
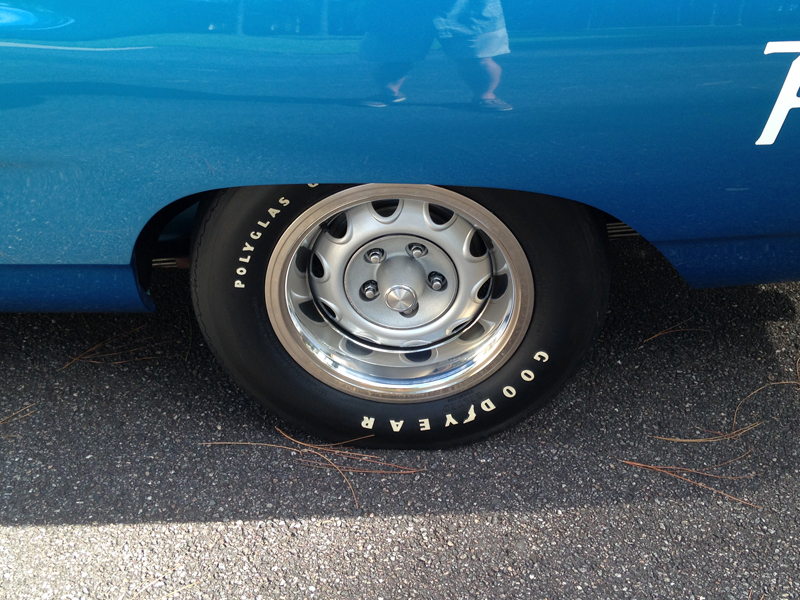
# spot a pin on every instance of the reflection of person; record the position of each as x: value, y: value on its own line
x: 471, y: 33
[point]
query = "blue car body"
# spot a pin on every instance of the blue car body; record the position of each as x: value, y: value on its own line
x: 676, y: 118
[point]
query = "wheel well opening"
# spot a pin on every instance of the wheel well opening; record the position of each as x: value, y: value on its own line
x: 166, y: 238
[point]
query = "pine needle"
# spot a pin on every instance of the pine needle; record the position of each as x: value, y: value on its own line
x: 329, y: 456
x: 714, y: 438
x: 673, y: 329
x: 152, y: 583
x: 669, y: 471
x: 186, y: 587
x: 11, y: 418
x: 100, y: 345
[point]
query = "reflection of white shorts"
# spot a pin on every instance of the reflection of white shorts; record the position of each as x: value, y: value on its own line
x: 465, y: 29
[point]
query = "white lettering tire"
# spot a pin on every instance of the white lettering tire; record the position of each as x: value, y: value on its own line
x: 419, y: 316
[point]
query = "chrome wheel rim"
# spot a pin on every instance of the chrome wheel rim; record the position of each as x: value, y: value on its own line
x: 399, y: 293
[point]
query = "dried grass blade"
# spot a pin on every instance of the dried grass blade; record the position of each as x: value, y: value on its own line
x: 716, y: 438
x: 342, y: 453
x: 370, y: 459
x: 704, y: 474
x: 673, y: 331
x: 250, y: 444
x: 28, y: 414
x: 733, y: 460
x: 100, y: 345
x: 335, y: 466
x: 152, y: 583
x: 751, y: 394
x: 358, y: 439
x: 347, y: 469
x: 127, y: 350
x: 122, y: 362
x: 10, y: 418
x: 186, y: 587
x: 686, y: 479
x: 322, y: 456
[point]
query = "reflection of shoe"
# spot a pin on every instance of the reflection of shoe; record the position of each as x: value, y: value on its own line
x: 492, y: 105
x: 383, y: 100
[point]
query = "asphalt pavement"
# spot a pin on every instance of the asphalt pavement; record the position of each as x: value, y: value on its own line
x: 109, y: 490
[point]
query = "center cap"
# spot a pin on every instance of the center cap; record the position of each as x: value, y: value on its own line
x: 400, y: 298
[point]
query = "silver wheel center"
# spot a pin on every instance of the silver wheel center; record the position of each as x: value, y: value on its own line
x: 401, y: 298
x: 401, y: 278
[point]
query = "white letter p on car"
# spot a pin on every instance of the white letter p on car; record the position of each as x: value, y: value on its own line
x: 787, y: 99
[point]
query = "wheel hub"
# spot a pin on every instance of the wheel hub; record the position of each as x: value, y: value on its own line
x: 401, y: 298
x: 400, y: 279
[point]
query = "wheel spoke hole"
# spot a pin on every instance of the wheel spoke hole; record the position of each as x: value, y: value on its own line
x: 309, y: 309
x: 302, y: 260
x: 419, y: 357
x: 317, y: 268
x: 328, y: 310
x: 439, y: 214
x: 500, y: 286
x: 385, y: 208
x: 478, y: 244
x: 337, y: 226
x: 484, y: 290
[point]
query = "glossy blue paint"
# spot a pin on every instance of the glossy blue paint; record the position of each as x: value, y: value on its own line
x: 647, y: 110
x: 71, y: 288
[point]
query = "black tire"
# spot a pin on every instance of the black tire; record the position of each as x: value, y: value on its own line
x: 246, y: 236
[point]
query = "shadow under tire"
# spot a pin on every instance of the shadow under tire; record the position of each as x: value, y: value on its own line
x: 416, y: 316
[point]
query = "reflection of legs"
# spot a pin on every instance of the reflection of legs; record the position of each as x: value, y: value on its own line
x: 483, y: 76
x: 390, y: 76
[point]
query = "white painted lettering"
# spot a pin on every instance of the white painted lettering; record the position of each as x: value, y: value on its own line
x: 263, y: 224
x: 241, y: 271
x: 312, y: 185
x: 368, y: 422
x: 238, y: 284
x: 509, y: 392
x: 787, y: 98
x: 273, y: 212
x: 487, y: 405
x: 541, y: 357
x: 283, y: 201
x: 396, y: 425
x: 527, y: 375
x: 424, y: 424
x: 450, y: 421
x: 255, y: 234
x: 470, y: 414
x: 245, y: 259
x: 247, y: 248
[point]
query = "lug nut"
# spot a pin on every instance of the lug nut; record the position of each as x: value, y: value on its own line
x: 375, y: 255
x: 437, y: 281
x: 370, y: 289
x: 417, y: 250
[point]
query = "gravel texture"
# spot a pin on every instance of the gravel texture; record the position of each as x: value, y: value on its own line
x: 108, y: 491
